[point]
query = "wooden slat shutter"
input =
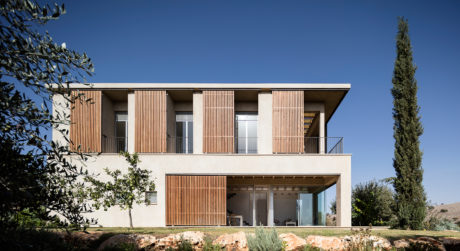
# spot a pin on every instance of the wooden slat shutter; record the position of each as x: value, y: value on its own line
x: 196, y: 200
x: 85, y: 117
x: 288, y: 109
x: 219, y: 115
x: 150, y: 131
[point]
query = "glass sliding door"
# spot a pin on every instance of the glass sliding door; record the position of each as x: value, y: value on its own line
x: 246, y: 133
x: 305, y: 209
x: 121, y: 131
x: 184, y: 133
x: 311, y: 209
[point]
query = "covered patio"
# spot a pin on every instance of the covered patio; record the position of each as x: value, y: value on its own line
x: 268, y: 200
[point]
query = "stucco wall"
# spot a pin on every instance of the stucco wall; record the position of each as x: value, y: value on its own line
x: 207, y: 164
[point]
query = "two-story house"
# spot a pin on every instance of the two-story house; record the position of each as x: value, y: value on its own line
x: 221, y: 153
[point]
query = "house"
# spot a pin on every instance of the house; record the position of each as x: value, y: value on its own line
x: 221, y: 154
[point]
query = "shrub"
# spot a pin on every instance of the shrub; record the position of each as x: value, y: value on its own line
x: 444, y: 210
x: 208, y: 246
x: 30, y: 239
x: 372, y: 203
x: 438, y: 223
x: 265, y: 240
x: 122, y: 247
x: 184, y: 245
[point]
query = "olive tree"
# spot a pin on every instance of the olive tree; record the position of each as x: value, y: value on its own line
x: 35, y: 175
x: 122, y: 189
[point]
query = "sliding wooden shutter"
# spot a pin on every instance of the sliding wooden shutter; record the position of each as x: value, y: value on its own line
x: 196, y: 200
x: 85, y: 117
x: 218, y: 128
x: 150, y: 131
x: 288, y: 110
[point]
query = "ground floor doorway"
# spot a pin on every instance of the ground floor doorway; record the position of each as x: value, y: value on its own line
x: 277, y: 201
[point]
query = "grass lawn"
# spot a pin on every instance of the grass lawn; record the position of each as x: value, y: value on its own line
x: 213, y: 232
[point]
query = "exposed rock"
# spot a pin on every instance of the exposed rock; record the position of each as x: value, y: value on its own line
x: 358, y: 241
x: 145, y: 240
x: 451, y: 243
x: 140, y: 240
x: 401, y: 244
x: 293, y: 242
x: 196, y: 238
x: 235, y: 241
x: 426, y: 243
x: 326, y: 242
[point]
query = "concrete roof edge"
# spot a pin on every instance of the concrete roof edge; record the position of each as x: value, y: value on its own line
x: 313, y: 86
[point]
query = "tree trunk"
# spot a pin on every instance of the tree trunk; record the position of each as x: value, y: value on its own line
x: 130, y: 218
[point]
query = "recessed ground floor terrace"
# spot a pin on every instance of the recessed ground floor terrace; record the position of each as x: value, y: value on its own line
x: 241, y: 200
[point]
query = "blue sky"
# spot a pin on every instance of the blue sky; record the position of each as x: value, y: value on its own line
x: 293, y: 41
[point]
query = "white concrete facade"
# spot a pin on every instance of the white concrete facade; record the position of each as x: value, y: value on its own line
x: 225, y: 164
x: 263, y: 163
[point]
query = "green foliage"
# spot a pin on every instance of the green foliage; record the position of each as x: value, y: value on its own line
x: 310, y: 248
x: 410, y: 196
x: 436, y: 222
x: 184, y: 245
x: 208, y: 246
x: 123, y: 189
x: 122, y: 247
x: 31, y: 219
x: 372, y: 203
x: 31, y: 239
x: 34, y: 173
x: 265, y: 240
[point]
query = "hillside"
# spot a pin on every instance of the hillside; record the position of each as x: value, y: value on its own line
x: 453, y: 211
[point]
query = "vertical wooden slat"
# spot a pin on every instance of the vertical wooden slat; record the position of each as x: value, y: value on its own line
x: 288, y: 108
x: 150, y: 131
x: 85, y: 117
x: 196, y: 200
x: 218, y: 127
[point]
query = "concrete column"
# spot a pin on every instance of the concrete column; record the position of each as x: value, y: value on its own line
x: 131, y: 121
x: 264, y: 123
x: 343, y: 199
x: 322, y: 126
x: 254, y: 223
x: 271, y: 213
x: 197, y: 123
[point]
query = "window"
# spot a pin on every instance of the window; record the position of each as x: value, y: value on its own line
x: 246, y: 133
x: 121, y: 131
x: 184, y: 133
x: 151, y: 197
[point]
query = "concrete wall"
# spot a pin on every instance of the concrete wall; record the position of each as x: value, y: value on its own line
x: 217, y: 164
x: 264, y: 123
x: 197, y: 122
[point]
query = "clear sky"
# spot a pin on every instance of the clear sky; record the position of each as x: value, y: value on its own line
x: 293, y: 41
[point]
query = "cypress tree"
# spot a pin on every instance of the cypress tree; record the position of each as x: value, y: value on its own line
x: 410, y: 196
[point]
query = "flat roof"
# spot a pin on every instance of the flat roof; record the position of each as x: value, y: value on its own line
x: 304, y: 86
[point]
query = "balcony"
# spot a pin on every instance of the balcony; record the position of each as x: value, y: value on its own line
x: 308, y: 145
x: 114, y: 144
x: 183, y: 145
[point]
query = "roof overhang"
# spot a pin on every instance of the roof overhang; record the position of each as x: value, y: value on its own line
x: 331, y: 94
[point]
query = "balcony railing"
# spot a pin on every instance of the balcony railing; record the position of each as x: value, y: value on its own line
x: 180, y: 145
x: 332, y: 145
x: 114, y: 144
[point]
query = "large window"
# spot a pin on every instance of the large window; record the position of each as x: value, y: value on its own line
x: 184, y: 133
x: 246, y: 133
x: 121, y: 131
